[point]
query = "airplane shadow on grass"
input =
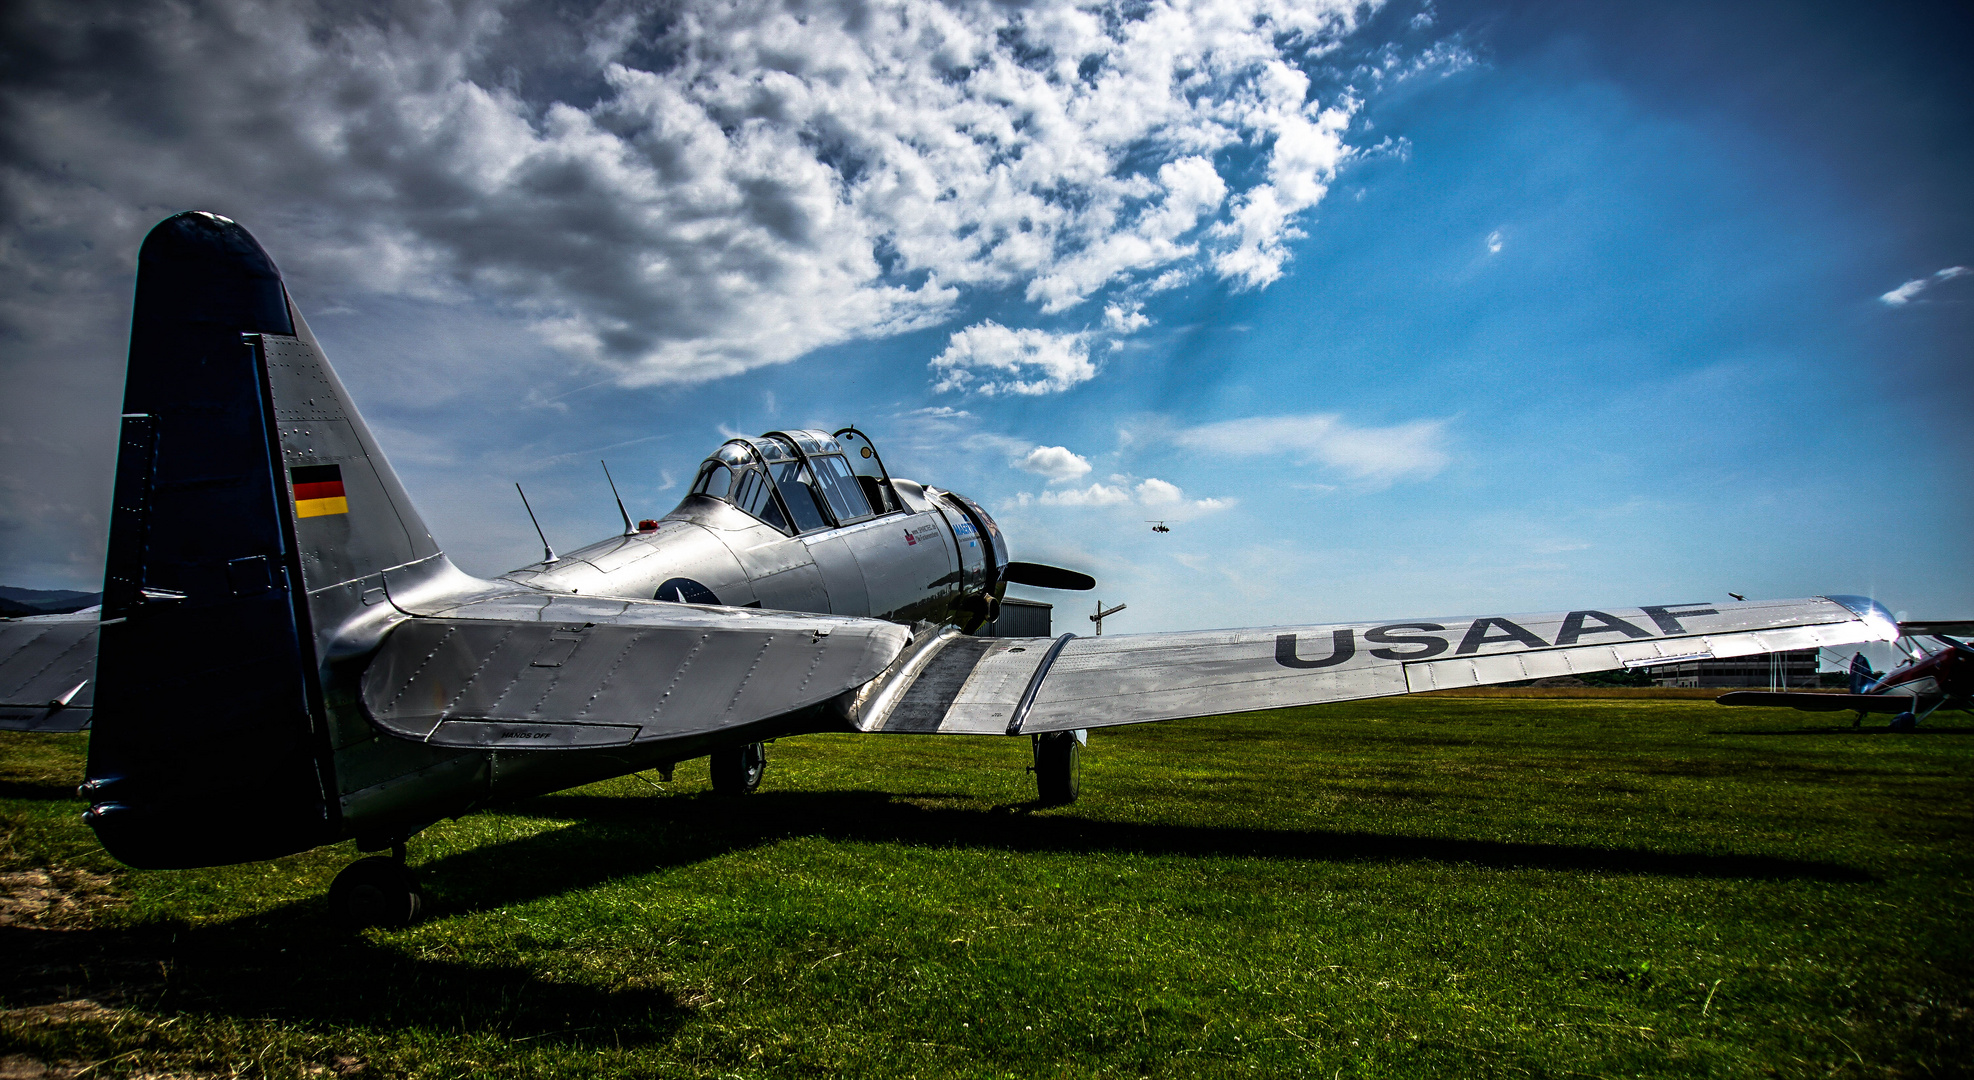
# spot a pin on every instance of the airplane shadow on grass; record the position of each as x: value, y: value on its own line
x: 289, y: 964
x: 39, y: 790
x: 616, y: 837
x: 1921, y: 730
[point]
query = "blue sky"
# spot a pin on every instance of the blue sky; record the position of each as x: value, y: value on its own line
x: 1591, y: 310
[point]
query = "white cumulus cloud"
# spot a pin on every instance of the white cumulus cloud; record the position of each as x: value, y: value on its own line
x: 989, y: 358
x: 1058, y: 463
x: 1156, y: 492
x: 1903, y: 295
x: 1159, y: 496
x: 1120, y: 319
x: 1368, y: 455
x: 1094, y: 495
x: 1165, y: 496
x: 675, y: 191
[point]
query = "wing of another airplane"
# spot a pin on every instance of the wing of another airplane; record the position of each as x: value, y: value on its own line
x: 955, y: 684
x: 536, y: 671
x: 48, y: 672
x: 1953, y: 628
x: 1893, y: 702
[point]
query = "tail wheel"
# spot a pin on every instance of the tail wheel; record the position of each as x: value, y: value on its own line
x: 1058, y: 767
x: 378, y: 891
x: 737, y: 770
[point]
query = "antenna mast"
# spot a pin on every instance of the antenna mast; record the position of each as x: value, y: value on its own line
x: 628, y: 530
x: 548, y: 554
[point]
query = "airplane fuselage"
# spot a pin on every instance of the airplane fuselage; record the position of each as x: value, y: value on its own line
x: 926, y: 561
x: 1944, y: 677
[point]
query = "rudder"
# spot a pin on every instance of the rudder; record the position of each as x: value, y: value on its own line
x: 254, y: 525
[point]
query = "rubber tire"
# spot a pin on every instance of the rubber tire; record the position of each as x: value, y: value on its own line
x: 1904, y: 721
x: 378, y: 891
x: 738, y: 770
x: 1058, y: 768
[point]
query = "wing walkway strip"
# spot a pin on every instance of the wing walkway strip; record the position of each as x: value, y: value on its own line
x: 1035, y: 685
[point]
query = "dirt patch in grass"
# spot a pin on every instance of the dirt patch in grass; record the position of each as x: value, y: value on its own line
x: 58, y: 897
x: 22, y: 1067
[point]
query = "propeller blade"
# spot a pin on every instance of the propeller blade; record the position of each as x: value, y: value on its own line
x: 1048, y: 577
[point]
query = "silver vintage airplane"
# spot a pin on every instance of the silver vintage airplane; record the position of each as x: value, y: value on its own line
x: 285, y: 659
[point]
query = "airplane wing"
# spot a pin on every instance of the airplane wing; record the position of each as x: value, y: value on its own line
x: 541, y: 671
x: 544, y: 671
x: 1961, y: 628
x: 48, y: 672
x: 954, y: 684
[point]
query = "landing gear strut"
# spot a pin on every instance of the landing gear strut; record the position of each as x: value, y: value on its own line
x: 377, y: 891
x: 737, y: 770
x: 1058, y: 767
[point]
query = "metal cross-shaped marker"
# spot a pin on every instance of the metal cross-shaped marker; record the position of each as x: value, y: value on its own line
x: 1102, y: 614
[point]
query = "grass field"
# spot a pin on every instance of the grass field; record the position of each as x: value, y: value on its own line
x: 1432, y: 887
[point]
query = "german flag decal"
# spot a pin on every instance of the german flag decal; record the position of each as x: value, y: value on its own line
x: 318, y: 490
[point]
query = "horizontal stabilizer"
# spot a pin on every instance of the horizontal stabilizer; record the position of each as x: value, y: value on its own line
x: 48, y: 673
x: 1774, y: 699
x: 963, y: 685
x: 564, y: 672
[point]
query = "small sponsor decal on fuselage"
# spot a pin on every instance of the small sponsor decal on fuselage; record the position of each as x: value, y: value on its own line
x: 923, y: 532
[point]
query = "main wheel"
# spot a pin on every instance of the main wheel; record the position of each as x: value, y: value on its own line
x: 1904, y: 721
x: 378, y: 891
x: 738, y: 770
x: 1058, y: 768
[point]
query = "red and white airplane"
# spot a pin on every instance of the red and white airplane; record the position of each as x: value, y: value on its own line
x: 1938, y: 671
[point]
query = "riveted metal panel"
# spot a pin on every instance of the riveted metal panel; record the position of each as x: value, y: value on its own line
x: 908, y: 565
x: 318, y: 425
x: 655, y: 670
x: 842, y: 577
x: 799, y: 588
x: 47, y: 673
x: 763, y: 552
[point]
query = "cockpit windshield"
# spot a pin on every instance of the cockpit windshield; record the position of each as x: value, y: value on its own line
x: 799, y: 481
x: 839, y: 486
x: 798, y: 492
x: 754, y: 495
x: 868, y: 469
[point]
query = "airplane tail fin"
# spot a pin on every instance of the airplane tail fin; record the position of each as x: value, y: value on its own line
x: 254, y: 523
x: 1862, y: 677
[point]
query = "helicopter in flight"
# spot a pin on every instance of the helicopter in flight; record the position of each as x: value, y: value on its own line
x: 1159, y: 527
x: 284, y: 658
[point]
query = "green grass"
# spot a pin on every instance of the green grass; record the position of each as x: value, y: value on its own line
x: 1424, y: 887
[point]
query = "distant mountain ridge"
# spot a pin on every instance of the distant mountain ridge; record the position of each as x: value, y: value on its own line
x: 15, y: 603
